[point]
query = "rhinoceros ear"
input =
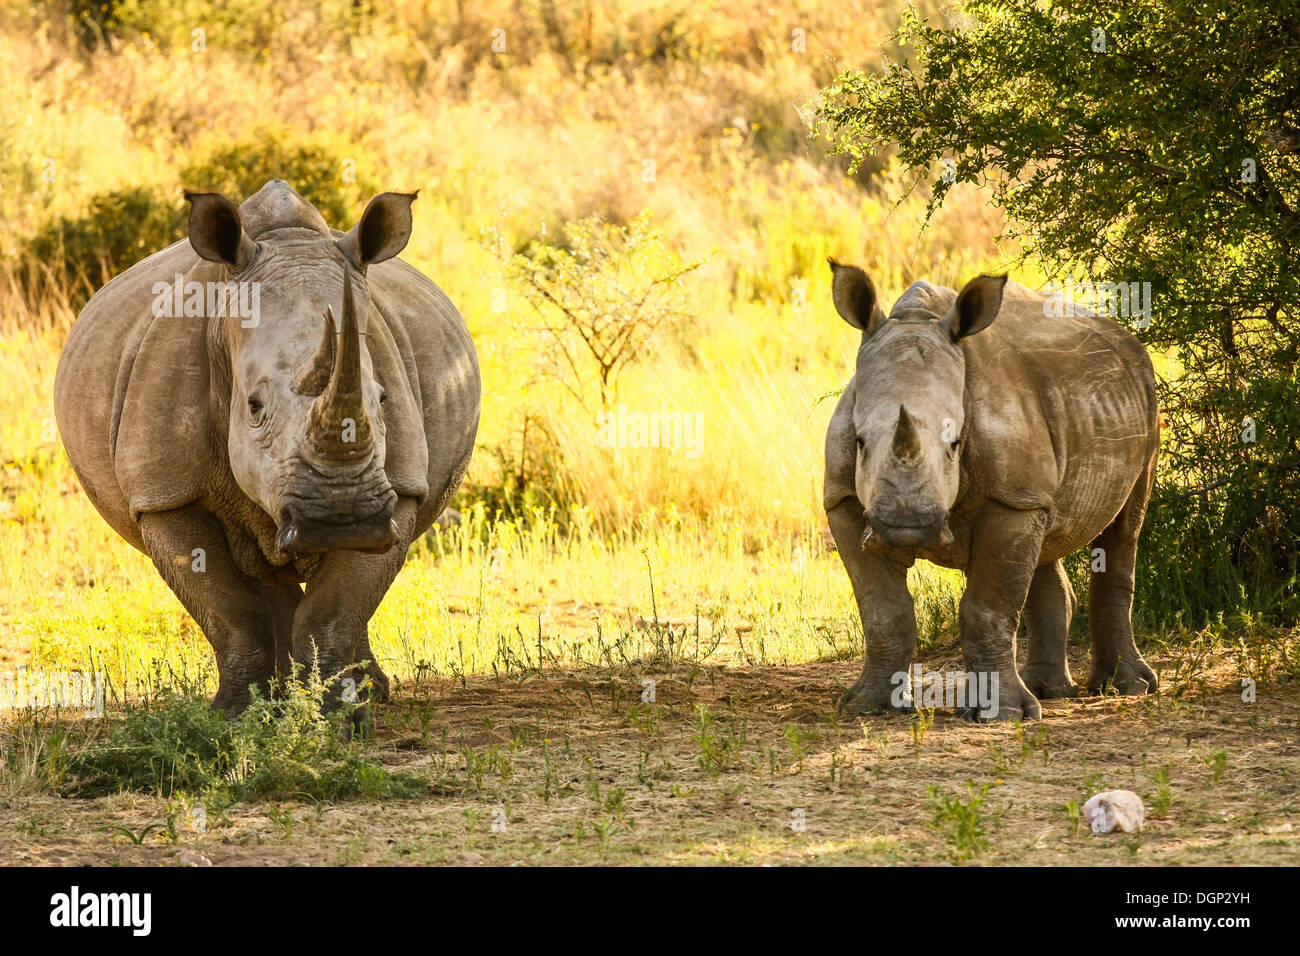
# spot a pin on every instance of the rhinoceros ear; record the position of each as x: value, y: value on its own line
x: 976, y: 306
x: 855, y: 297
x: 383, y: 230
x: 216, y: 232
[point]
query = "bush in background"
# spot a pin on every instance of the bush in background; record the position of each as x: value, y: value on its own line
x: 1122, y: 153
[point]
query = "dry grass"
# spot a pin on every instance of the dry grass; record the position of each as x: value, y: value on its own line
x: 578, y: 770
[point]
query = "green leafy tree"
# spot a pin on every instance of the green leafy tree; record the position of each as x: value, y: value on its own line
x: 1142, y: 141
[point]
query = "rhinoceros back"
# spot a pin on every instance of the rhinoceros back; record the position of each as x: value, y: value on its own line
x: 95, y: 373
x: 1062, y: 414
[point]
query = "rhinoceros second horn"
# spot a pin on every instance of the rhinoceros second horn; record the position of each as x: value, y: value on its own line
x: 341, y: 402
x: 315, y: 375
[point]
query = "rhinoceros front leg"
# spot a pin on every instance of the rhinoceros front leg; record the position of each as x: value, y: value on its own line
x: 1115, y: 658
x: 887, y: 613
x: 188, y: 546
x: 1005, y: 545
x: 343, y: 591
x: 1048, y: 612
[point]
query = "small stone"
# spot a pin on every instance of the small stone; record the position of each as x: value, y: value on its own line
x: 191, y: 858
x: 1113, y: 809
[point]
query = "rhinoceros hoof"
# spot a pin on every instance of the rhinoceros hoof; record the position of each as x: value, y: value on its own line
x: 1128, y: 678
x: 231, y: 701
x: 1049, y: 683
x: 1016, y: 703
x: 860, y: 701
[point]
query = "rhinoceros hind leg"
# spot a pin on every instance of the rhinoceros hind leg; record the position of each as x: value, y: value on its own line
x: 284, y: 600
x: 1115, y: 659
x: 1048, y: 612
x: 887, y: 614
x: 188, y: 546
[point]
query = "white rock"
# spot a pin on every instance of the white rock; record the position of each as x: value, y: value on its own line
x: 1114, y: 808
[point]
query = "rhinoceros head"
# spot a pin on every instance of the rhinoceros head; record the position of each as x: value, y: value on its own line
x: 306, y: 432
x: 908, y: 411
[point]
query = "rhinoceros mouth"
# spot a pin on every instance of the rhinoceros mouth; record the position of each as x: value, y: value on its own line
x: 920, y: 534
x: 299, y: 534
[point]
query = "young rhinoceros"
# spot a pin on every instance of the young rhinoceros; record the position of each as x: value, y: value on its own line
x: 997, y: 447
x: 224, y: 421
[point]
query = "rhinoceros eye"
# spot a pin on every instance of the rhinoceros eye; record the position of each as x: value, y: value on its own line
x: 255, y: 409
x: 383, y: 397
x: 861, y: 444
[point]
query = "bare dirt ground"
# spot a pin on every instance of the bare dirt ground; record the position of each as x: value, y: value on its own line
x: 574, y: 768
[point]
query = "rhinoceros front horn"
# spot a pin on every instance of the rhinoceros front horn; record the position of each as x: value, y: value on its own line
x: 339, y: 428
x: 907, y: 438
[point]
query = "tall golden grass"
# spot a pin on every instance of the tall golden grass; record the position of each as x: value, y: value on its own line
x: 565, y: 124
x: 559, y: 127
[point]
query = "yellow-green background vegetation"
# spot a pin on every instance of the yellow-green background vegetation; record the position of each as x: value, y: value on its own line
x: 100, y: 138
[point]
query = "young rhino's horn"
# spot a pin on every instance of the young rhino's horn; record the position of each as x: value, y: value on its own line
x: 907, y: 437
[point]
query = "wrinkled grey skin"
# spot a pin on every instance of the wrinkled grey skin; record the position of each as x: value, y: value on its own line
x: 309, y: 449
x: 979, y: 433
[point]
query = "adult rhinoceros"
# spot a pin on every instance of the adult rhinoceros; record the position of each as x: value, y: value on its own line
x: 250, y: 453
x: 997, y: 447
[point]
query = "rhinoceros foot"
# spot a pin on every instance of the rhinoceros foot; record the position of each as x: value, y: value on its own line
x: 1127, y: 678
x: 235, y: 687
x: 1047, y: 682
x: 1014, y: 702
x: 232, y: 698
x: 871, y: 695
